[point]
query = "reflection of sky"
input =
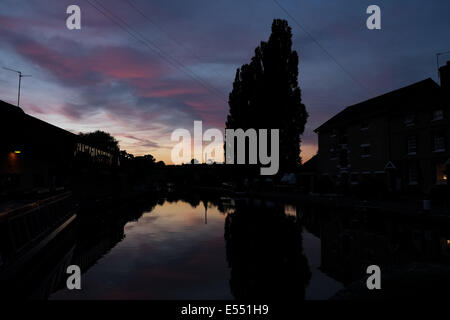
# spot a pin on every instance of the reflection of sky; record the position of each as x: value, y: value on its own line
x: 101, y: 78
x: 168, y: 253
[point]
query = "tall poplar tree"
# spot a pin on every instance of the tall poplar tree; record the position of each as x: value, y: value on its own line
x: 266, y: 94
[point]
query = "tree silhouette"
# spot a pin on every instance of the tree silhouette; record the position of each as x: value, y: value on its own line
x: 102, y: 140
x: 266, y: 95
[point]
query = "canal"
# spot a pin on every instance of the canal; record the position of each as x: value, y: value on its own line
x: 201, y: 250
x: 189, y: 246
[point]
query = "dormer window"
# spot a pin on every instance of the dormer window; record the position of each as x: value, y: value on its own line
x: 410, y: 119
x: 438, y: 114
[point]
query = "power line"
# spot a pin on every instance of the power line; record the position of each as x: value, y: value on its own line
x: 168, y: 35
x: 150, y: 44
x: 320, y: 46
x: 154, y: 47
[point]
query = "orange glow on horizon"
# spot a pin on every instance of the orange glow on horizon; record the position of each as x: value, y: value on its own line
x: 163, y: 154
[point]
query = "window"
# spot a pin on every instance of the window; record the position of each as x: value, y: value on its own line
x: 365, y: 150
x: 439, y: 142
x: 438, y: 114
x: 333, y: 133
x: 354, y: 178
x: 342, y: 138
x: 364, y: 125
x: 410, y: 119
x: 412, y: 145
x: 343, y: 158
x: 412, y: 174
x: 333, y: 154
x: 441, y: 175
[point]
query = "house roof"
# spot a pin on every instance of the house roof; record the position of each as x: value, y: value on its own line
x: 11, y: 115
x: 24, y: 131
x: 400, y: 99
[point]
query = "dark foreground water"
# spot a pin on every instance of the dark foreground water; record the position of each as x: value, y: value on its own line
x: 194, y: 247
x: 179, y: 250
x: 168, y: 253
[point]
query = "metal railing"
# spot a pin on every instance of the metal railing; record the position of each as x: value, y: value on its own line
x: 22, y: 227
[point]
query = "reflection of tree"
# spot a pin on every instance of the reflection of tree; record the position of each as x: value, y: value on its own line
x: 194, y: 199
x: 265, y: 253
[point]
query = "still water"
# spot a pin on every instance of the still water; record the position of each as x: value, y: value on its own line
x: 188, y: 247
x: 178, y: 250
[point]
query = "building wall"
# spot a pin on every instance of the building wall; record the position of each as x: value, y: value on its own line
x: 426, y: 158
x: 386, y: 135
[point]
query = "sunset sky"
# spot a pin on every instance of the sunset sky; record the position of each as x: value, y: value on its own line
x: 101, y: 78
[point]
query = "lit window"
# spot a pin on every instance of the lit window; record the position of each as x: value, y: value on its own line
x: 412, y: 145
x: 438, y: 114
x: 439, y: 143
x: 441, y: 176
x: 409, y: 119
x: 290, y: 210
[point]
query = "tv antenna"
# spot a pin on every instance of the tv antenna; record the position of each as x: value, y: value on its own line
x: 20, y: 80
x: 437, y: 60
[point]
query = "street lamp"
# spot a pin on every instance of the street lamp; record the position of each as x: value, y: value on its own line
x: 20, y: 79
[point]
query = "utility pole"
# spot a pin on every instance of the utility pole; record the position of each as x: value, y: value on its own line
x: 20, y: 80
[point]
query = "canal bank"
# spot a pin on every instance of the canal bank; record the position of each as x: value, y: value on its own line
x: 406, y: 206
x: 30, y: 235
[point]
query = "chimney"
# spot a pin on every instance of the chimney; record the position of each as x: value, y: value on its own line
x: 444, y: 75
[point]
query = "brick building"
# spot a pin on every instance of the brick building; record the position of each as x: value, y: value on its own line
x: 395, y: 143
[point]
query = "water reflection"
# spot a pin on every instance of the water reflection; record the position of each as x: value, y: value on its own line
x: 167, y: 253
x: 353, y: 239
x: 265, y: 252
x: 412, y: 251
x: 190, y: 246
